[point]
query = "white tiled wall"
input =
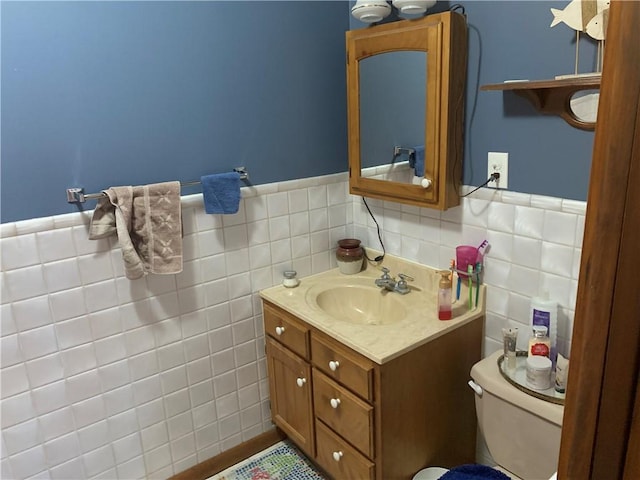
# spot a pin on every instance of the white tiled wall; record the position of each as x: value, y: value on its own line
x: 103, y: 377
x: 535, y: 246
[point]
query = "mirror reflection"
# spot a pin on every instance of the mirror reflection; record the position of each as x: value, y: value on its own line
x: 584, y: 105
x: 393, y: 102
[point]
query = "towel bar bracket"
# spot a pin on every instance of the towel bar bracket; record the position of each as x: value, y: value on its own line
x: 409, y: 152
x: 77, y: 195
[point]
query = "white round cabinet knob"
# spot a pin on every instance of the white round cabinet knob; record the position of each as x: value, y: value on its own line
x: 279, y: 330
x: 335, y: 402
x: 333, y: 365
x: 425, y: 183
x: 301, y: 381
x: 337, y: 456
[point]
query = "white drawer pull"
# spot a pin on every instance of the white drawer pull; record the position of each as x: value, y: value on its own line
x: 301, y: 381
x: 337, y: 456
x: 279, y: 330
x: 335, y: 402
x: 333, y: 365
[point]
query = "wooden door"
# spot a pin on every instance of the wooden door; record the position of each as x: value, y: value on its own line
x: 601, y: 428
x: 291, y: 395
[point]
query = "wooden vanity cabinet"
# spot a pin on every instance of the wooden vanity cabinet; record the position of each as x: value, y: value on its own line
x: 361, y: 420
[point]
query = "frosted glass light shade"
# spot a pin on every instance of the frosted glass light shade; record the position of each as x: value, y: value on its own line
x: 370, y: 11
x: 413, y: 7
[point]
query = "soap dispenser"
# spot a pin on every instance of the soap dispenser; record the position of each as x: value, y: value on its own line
x: 444, y: 296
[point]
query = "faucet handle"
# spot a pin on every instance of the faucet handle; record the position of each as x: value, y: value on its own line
x: 404, y: 278
x: 401, y: 286
x: 385, y: 273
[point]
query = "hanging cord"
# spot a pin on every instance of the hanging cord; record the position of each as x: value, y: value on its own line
x: 494, y: 176
x: 379, y: 258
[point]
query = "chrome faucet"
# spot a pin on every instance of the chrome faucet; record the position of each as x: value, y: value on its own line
x: 389, y: 283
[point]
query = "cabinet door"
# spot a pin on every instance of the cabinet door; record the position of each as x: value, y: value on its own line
x: 291, y: 397
x: 440, y: 43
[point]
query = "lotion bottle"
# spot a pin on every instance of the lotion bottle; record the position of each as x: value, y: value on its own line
x: 539, y: 343
x: 444, y: 296
x: 544, y: 312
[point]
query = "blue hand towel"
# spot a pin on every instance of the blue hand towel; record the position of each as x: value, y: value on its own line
x: 419, y: 165
x: 474, y: 472
x: 221, y: 192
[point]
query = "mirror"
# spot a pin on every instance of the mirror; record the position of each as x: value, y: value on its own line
x: 584, y: 105
x: 406, y: 109
x: 393, y: 90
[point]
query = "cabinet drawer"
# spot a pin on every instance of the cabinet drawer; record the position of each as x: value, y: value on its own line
x: 346, y: 367
x: 344, y: 412
x: 287, y: 330
x: 338, y: 458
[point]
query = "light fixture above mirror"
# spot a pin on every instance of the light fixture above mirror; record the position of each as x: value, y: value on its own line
x: 373, y: 11
x: 370, y: 11
x: 413, y: 7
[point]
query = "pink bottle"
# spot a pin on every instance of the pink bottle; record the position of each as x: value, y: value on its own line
x: 444, y: 297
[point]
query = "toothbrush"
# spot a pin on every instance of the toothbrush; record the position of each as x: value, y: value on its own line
x: 453, y: 269
x: 478, y: 268
x: 469, y: 274
x: 458, y: 287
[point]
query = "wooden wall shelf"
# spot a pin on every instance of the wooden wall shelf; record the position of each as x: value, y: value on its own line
x: 552, y: 97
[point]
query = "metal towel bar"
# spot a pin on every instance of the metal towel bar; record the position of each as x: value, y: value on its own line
x: 77, y: 195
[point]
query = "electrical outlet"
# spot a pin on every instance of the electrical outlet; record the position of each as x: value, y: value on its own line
x: 498, y: 162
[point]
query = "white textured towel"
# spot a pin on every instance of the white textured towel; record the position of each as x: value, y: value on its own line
x: 147, y: 220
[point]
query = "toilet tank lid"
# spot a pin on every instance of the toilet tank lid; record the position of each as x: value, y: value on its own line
x: 486, y: 374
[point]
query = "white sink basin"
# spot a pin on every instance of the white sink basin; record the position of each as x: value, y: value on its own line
x: 362, y: 305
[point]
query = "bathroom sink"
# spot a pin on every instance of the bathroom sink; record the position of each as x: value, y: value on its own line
x: 361, y: 305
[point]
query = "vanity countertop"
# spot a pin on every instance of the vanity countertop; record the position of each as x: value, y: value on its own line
x: 380, y: 342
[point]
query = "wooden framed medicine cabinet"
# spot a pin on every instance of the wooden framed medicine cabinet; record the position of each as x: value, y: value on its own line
x: 428, y: 113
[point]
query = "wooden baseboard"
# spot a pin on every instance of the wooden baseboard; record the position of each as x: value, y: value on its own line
x: 230, y: 457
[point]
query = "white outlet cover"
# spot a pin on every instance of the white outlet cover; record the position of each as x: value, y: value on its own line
x: 498, y: 162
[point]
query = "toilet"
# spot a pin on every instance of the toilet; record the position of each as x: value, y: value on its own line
x: 522, y: 432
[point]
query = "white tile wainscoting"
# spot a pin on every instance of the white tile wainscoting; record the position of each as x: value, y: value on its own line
x: 535, y: 246
x: 103, y: 377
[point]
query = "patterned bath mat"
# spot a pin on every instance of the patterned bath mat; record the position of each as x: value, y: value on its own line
x: 281, y: 461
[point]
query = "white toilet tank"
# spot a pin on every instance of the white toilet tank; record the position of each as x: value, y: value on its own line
x: 522, y: 432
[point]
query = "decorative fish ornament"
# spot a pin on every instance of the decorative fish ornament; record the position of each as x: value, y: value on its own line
x: 571, y: 15
x: 597, y: 26
x: 578, y: 13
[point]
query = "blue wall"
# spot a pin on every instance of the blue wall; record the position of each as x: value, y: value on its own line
x: 512, y: 40
x: 110, y: 93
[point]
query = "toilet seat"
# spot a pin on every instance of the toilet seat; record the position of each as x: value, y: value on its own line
x: 506, y: 472
x: 430, y: 473
x: 434, y: 473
